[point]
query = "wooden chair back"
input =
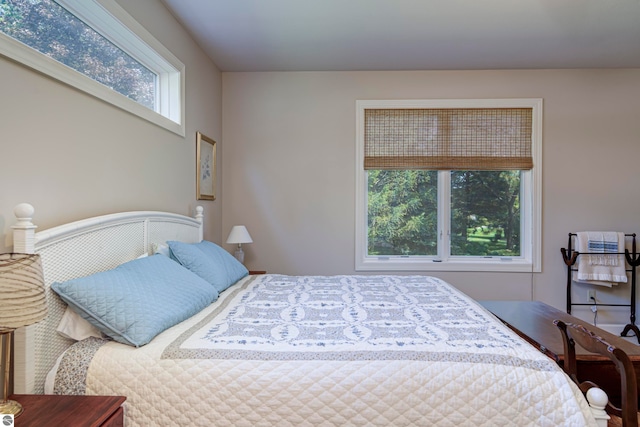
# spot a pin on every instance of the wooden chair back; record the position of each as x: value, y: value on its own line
x: 573, y: 333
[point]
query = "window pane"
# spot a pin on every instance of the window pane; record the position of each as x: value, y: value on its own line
x: 402, y: 212
x: 485, y: 213
x: 52, y: 30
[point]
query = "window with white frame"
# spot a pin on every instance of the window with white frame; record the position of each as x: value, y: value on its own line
x: 97, y: 47
x: 450, y: 185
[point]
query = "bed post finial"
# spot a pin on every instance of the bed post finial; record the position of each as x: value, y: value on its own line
x: 598, y: 399
x: 24, y: 230
x: 200, y: 218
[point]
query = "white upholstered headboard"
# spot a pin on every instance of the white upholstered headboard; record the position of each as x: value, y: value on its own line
x: 78, y: 249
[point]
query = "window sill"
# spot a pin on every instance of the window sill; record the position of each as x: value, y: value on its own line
x: 495, y: 264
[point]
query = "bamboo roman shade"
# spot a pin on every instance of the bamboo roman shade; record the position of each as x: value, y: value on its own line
x: 448, y: 138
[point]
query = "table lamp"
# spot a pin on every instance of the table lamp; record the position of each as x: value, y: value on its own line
x: 23, y: 303
x: 239, y: 235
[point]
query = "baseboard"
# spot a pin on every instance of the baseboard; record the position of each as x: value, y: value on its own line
x: 616, y: 329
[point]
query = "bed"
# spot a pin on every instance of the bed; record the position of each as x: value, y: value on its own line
x: 276, y: 350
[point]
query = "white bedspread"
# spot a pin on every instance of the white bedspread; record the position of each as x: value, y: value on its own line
x: 340, y: 351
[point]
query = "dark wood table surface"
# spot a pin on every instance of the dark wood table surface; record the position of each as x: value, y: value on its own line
x: 533, y: 321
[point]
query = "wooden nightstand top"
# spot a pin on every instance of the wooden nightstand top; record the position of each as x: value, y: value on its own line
x: 252, y: 272
x: 56, y: 410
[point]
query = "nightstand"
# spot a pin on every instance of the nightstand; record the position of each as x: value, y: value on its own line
x: 252, y: 272
x: 56, y: 410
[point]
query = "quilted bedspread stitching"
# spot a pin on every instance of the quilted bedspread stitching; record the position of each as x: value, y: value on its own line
x: 324, y: 392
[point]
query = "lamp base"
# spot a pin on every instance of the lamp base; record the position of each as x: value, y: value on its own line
x: 239, y: 254
x: 10, y: 407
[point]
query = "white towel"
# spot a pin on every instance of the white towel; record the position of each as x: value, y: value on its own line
x: 605, y: 265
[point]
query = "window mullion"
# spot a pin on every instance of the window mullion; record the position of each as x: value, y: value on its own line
x: 444, y: 215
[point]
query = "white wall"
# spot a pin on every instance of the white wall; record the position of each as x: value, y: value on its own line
x: 73, y: 156
x: 289, y: 148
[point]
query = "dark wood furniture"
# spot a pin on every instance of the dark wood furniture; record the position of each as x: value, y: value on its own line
x: 533, y: 321
x: 54, y: 410
x: 252, y: 272
x: 573, y: 334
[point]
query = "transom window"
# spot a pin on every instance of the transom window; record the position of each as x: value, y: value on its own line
x: 448, y: 185
x: 97, y: 48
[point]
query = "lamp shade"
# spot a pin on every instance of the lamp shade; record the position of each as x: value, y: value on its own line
x: 239, y: 234
x: 22, y: 294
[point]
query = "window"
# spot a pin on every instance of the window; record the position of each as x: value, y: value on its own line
x: 448, y: 185
x: 98, y: 48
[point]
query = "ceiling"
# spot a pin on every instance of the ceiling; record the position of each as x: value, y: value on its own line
x: 334, y: 35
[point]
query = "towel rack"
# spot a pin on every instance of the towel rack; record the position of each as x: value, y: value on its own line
x: 570, y: 256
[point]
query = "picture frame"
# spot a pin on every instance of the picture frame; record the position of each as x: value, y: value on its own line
x: 205, y: 167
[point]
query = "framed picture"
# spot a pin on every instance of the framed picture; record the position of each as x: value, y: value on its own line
x: 205, y: 167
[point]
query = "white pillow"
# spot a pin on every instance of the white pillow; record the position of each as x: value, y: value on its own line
x: 161, y: 248
x: 74, y: 327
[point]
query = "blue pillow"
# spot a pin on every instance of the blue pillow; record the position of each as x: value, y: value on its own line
x: 137, y: 300
x: 209, y: 261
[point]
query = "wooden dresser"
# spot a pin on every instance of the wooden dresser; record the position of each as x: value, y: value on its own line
x: 55, y: 410
x: 533, y: 321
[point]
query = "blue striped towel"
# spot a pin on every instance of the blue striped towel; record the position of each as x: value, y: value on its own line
x: 601, y: 261
x: 605, y: 243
